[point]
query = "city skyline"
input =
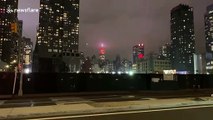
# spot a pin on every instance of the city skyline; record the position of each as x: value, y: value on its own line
x: 103, y: 21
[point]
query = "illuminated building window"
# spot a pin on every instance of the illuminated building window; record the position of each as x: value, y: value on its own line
x: 65, y: 15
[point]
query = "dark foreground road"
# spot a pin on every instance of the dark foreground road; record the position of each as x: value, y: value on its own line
x: 205, y: 113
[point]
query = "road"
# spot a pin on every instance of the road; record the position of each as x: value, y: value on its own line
x: 196, y: 113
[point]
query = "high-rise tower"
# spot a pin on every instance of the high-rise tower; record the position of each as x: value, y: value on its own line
x: 209, y: 38
x: 102, y: 53
x: 7, y: 17
x: 182, y: 38
x: 138, y: 53
x: 165, y: 51
x: 57, y: 37
x: 58, y: 30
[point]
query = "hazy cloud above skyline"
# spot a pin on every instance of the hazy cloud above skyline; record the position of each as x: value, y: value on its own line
x: 120, y: 24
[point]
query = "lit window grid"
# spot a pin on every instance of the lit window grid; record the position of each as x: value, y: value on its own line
x: 67, y: 21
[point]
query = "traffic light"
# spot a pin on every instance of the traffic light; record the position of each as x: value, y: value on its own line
x: 14, y: 27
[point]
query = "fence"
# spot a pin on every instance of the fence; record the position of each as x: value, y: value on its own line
x: 68, y: 82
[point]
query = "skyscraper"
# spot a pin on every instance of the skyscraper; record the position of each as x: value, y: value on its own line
x: 7, y: 17
x: 102, y: 53
x: 27, y: 51
x: 165, y: 51
x: 20, y: 27
x: 209, y: 38
x: 102, y: 57
x: 58, y: 30
x: 138, y: 53
x: 57, y: 36
x: 117, y: 63
x: 182, y: 38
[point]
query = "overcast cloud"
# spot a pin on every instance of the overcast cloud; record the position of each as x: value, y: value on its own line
x: 120, y: 24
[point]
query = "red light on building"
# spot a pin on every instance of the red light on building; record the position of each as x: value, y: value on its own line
x: 140, y: 56
x: 138, y: 52
x: 102, y: 51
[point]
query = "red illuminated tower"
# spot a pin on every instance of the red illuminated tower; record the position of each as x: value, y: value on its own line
x: 138, y: 52
x: 102, y: 52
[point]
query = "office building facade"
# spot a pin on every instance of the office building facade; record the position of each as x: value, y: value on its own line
x: 153, y: 65
x: 165, y: 51
x: 27, y: 51
x: 58, y: 33
x: 209, y: 39
x: 7, y: 39
x: 58, y: 30
x: 182, y: 38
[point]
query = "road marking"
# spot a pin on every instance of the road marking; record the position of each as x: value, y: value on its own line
x: 121, y: 113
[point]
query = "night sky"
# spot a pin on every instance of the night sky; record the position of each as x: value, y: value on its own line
x: 120, y: 24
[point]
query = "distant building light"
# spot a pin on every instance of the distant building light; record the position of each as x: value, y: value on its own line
x: 182, y: 72
x: 131, y: 73
x: 7, y: 66
x: 27, y: 71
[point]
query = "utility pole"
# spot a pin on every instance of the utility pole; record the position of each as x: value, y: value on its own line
x: 14, y: 84
x: 20, y: 65
x: 14, y: 29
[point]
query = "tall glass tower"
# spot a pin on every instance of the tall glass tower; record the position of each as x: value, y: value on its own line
x: 58, y: 30
x: 182, y: 38
x: 209, y: 38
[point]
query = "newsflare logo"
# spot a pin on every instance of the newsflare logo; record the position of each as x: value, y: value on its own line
x: 24, y: 10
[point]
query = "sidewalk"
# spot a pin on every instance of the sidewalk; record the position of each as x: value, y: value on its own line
x: 202, y: 92
x: 101, y: 107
